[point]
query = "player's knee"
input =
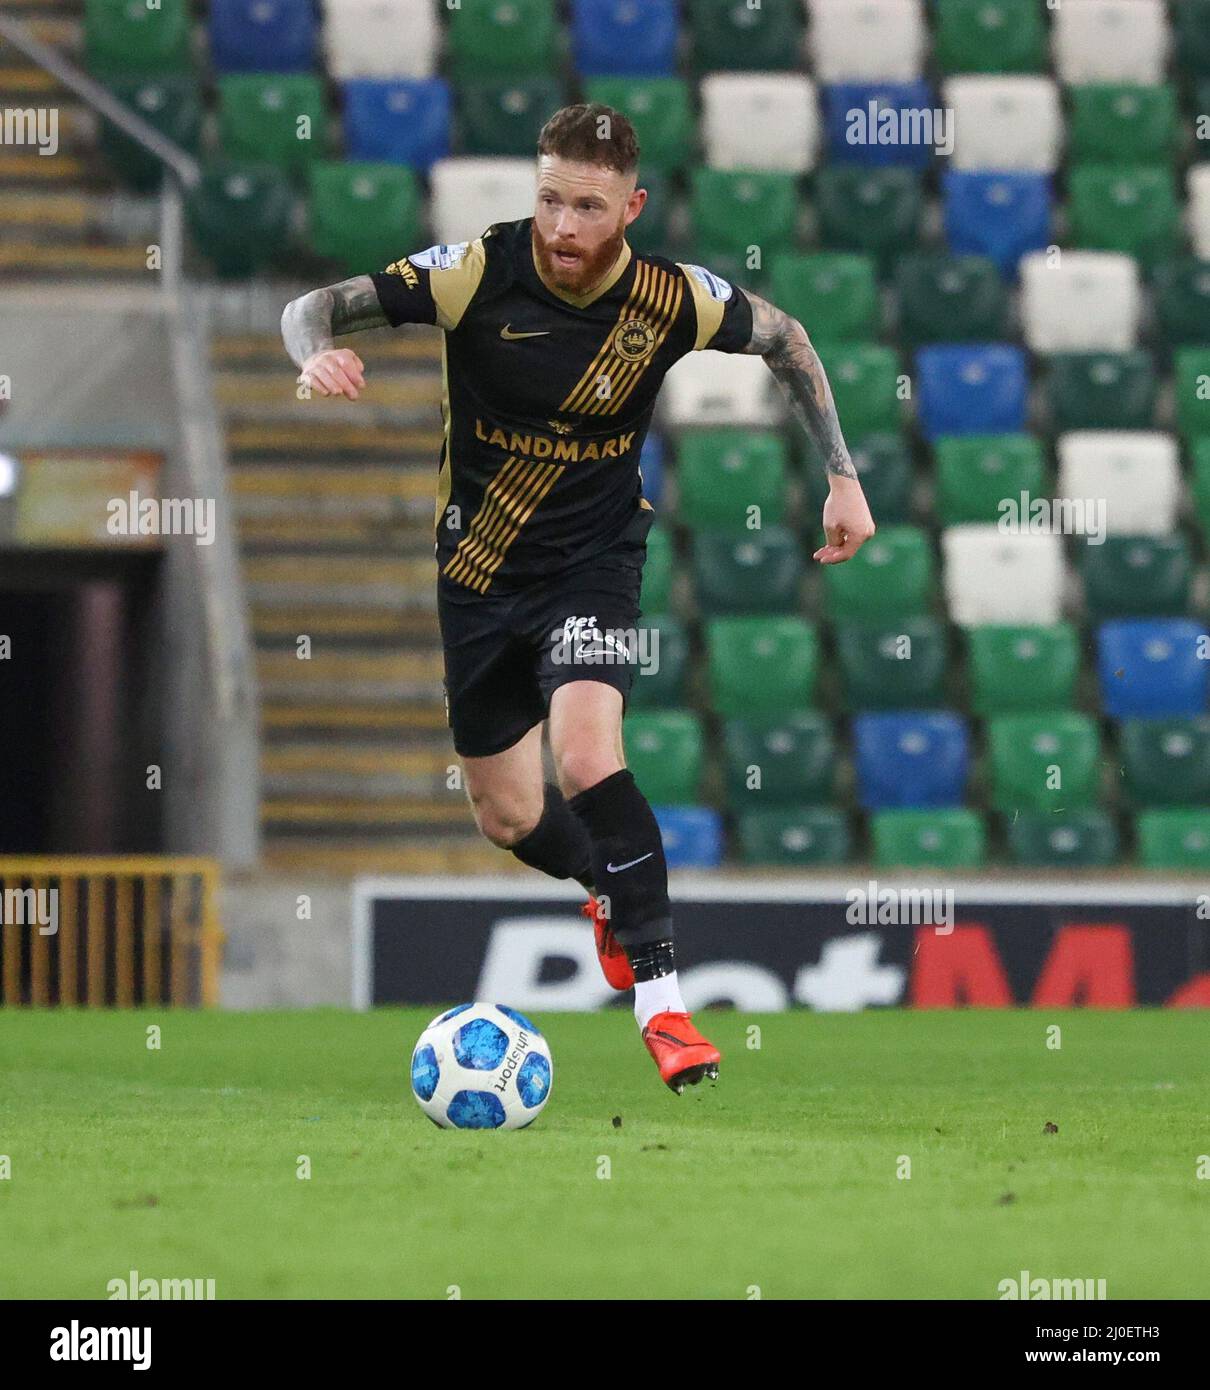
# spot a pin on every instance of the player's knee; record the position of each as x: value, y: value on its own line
x: 581, y: 768
x: 504, y: 822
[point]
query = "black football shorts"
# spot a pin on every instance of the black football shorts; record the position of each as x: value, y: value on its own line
x: 506, y: 654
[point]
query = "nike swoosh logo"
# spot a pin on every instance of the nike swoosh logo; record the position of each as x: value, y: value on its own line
x: 617, y: 868
x: 510, y: 337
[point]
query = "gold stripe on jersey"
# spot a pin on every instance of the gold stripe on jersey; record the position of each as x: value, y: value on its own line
x: 445, y: 474
x: 709, y: 309
x: 508, y: 502
x: 670, y: 292
x: 453, y: 289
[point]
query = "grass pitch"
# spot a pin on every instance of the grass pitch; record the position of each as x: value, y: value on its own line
x: 182, y: 1162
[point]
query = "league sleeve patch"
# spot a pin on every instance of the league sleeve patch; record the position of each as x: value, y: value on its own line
x: 440, y: 257
x: 714, y: 285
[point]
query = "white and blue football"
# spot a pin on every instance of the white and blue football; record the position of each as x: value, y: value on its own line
x: 481, y: 1066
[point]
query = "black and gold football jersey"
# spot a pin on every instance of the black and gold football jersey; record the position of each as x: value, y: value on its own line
x: 547, y: 397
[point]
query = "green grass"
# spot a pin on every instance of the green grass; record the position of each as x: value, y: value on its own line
x: 181, y: 1163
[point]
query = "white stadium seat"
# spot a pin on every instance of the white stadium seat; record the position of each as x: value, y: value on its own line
x: 867, y: 40
x: 998, y: 577
x: 1199, y: 210
x: 1005, y: 123
x: 1085, y: 301
x: 760, y: 120
x: 468, y: 195
x: 718, y: 388
x: 1110, y: 41
x: 381, y: 38
x: 1136, y: 473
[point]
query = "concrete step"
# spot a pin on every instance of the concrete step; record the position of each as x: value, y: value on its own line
x: 358, y: 771
x: 342, y: 581
x: 263, y: 395
x: 388, y: 815
x: 332, y: 674
x: 71, y: 258
x: 468, y: 857
x: 351, y: 438
x: 283, y: 717
x: 414, y: 628
x: 410, y: 346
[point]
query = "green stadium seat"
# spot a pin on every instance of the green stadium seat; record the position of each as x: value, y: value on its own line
x: 1017, y: 670
x: 744, y: 37
x: 884, y: 465
x: 1085, y: 839
x: 649, y: 231
x: 172, y: 104
x: 363, y: 215
x: 262, y: 115
x: 1117, y: 124
x: 661, y: 685
x: 664, y: 750
x: 1132, y: 210
x: 722, y: 474
x: 121, y: 37
x: 761, y: 665
x: 1193, y: 391
x: 779, y: 760
x: 833, y: 294
x: 990, y: 36
x: 1136, y: 576
x: 240, y: 215
x: 660, y: 110
x: 1023, y: 749
x: 760, y: 572
x: 865, y: 383
x: 503, y: 115
x: 1174, y: 839
x: 875, y: 211
x: 733, y: 211
x: 892, y: 665
x: 976, y: 472
x: 1167, y: 761
x: 1101, y: 391
x: 891, y: 576
x: 794, y: 837
x: 1182, y: 301
x: 1200, y: 484
x: 1192, y: 24
x: 514, y: 38
x: 945, y: 838
x: 656, y: 593
x: 950, y: 299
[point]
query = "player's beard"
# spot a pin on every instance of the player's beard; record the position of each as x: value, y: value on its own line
x: 589, y: 270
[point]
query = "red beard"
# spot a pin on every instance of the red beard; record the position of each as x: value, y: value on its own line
x: 589, y: 270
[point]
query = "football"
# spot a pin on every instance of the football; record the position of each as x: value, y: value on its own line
x: 481, y: 1066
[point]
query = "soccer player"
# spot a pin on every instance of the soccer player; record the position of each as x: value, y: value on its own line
x: 557, y: 337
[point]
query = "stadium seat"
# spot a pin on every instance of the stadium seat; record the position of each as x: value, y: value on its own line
x: 950, y: 299
x: 778, y: 760
x: 761, y: 665
x: 692, y: 836
x: 1135, y: 474
x: 1079, y: 839
x: 1101, y: 391
x: 865, y: 383
x: 649, y: 232
x: 716, y: 388
x: 468, y: 195
x: 1192, y: 388
x: 990, y: 36
x: 399, y: 122
x: 943, y: 838
x: 1000, y: 216
x: 1132, y: 210
x: 759, y: 120
x: 1110, y: 41
x: 1001, y: 578
x: 504, y: 116
x: 733, y: 211
x: 794, y: 837
x: 280, y: 118
x: 1005, y: 123
x: 363, y: 215
x: 1192, y: 24
x: 833, y: 294
x: 382, y: 38
x: 745, y: 38
x: 890, y: 577
x: 1199, y: 209
x: 656, y: 594
x: 618, y: 36
x: 757, y: 572
x: 971, y: 389
x: 1167, y: 761
x: 651, y: 466
x: 1182, y: 302
x: 876, y: 41
x: 910, y: 759
x: 904, y: 137
x: 1200, y: 483
x: 514, y: 39
x: 660, y: 684
x: 1044, y: 761
x: 660, y: 110
x: 1112, y: 123
x: 975, y: 472
x: 262, y: 35
x: 240, y: 215
x: 1153, y: 667
x: 1023, y: 668
x: 875, y: 211
x: 124, y: 40
x: 1175, y: 839
x: 664, y: 750
x: 1083, y: 301
x: 884, y: 466
x: 172, y: 104
x: 1136, y: 576
x: 893, y: 664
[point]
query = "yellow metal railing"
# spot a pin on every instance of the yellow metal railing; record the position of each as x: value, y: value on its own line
x: 109, y: 931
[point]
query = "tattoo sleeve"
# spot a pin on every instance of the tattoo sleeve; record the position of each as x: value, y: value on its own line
x: 783, y: 343
x: 311, y: 323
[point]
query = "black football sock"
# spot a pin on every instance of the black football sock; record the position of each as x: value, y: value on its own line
x: 628, y: 865
x: 558, y: 844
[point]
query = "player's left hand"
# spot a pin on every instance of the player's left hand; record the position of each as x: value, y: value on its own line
x: 847, y: 522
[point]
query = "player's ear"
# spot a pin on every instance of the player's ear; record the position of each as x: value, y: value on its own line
x: 634, y: 204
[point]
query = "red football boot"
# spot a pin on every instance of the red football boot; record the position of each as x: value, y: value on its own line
x: 681, y: 1053
x: 614, y: 965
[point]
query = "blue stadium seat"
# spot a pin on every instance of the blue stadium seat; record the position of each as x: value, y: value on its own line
x: 692, y: 836
x: 262, y: 35
x: 910, y: 759
x: 998, y: 215
x: 623, y: 36
x: 651, y: 462
x: 844, y: 101
x: 1151, y: 667
x: 401, y: 122
x: 971, y: 389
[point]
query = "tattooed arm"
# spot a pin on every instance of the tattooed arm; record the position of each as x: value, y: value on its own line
x: 310, y: 324
x: 787, y: 351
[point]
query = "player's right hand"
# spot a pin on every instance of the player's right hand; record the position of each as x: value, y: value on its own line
x: 334, y: 372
